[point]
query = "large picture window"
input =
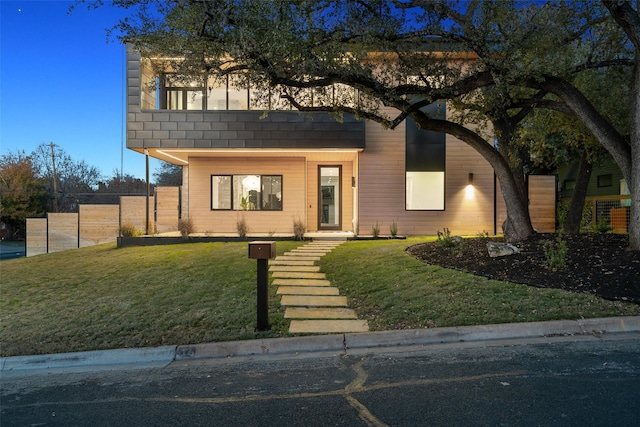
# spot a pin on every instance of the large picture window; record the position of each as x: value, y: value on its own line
x: 246, y: 192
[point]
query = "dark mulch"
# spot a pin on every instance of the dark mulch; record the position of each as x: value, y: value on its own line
x: 597, y: 264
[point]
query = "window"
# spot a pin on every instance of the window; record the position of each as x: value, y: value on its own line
x: 170, y: 91
x: 425, y: 164
x: 605, y: 180
x: 176, y: 94
x: 246, y: 192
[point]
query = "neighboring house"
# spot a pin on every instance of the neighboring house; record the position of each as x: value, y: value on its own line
x: 606, y: 179
x: 607, y: 199
x: 284, y: 166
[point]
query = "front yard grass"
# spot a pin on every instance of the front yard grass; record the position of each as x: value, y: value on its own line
x: 102, y: 297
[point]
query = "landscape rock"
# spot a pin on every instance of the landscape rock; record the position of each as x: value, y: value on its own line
x: 497, y: 249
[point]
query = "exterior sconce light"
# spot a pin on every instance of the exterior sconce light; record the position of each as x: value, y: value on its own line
x: 469, y: 190
x: 353, y: 182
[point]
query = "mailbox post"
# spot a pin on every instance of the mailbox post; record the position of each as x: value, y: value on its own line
x: 262, y: 252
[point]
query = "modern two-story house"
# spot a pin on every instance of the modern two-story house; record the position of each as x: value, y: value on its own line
x: 278, y: 167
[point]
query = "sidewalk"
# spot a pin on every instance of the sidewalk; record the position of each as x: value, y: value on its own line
x: 338, y: 343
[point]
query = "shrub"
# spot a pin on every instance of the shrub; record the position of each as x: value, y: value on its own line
x: 556, y: 253
x: 185, y: 227
x: 127, y: 229
x: 242, y: 227
x: 375, y: 230
x: 602, y: 226
x: 299, y: 228
x: 484, y: 235
x: 393, y: 228
x: 445, y: 239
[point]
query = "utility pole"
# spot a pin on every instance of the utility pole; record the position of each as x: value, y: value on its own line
x: 55, y: 178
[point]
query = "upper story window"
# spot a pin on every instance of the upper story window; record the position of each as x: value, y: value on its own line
x: 168, y: 91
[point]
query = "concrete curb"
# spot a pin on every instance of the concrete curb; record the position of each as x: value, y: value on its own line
x: 149, y: 356
x: 340, y: 343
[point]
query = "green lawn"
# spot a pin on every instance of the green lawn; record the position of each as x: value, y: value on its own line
x: 102, y: 297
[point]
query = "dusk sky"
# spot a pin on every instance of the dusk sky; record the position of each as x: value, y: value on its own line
x: 61, y: 82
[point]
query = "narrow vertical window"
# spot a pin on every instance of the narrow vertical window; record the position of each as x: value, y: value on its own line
x: 425, y: 164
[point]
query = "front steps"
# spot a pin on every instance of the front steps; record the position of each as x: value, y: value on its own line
x: 312, y: 304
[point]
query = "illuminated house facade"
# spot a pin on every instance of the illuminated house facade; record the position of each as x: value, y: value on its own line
x: 272, y: 169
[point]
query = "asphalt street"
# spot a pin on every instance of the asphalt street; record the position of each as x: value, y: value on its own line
x: 566, y: 380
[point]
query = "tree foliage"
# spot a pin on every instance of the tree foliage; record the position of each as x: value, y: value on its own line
x: 67, y: 180
x: 22, y: 192
x: 120, y: 184
x: 168, y: 174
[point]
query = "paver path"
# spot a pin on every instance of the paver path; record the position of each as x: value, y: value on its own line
x: 312, y: 304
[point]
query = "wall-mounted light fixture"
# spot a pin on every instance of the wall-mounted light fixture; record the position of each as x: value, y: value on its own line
x: 469, y: 190
x: 353, y: 182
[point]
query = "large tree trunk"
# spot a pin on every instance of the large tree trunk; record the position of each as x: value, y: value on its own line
x: 517, y: 226
x: 512, y: 184
x: 576, y: 206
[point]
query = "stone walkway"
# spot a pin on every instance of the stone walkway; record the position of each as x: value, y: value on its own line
x: 312, y: 304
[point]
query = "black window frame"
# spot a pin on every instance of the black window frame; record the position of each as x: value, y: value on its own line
x: 260, y: 201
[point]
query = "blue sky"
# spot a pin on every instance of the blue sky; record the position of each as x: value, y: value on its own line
x: 61, y: 82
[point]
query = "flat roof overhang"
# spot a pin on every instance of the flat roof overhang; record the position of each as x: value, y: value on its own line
x: 181, y: 156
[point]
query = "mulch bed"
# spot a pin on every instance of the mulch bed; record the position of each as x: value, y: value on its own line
x: 598, y: 264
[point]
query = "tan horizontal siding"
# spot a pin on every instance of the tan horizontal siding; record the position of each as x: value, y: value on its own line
x: 381, y: 187
x: 218, y: 221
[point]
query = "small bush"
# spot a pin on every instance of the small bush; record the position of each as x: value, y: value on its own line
x: 375, y: 230
x: 185, y: 227
x: 299, y: 228
x: 602, y: 226
x: 484, y: 235
x: 556, y: 253
x: 242, y: 227
x: 393, y: 228
x: 445, y: 239
x: 127, y: 229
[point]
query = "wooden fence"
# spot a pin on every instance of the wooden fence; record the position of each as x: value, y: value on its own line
x: 95, y: 224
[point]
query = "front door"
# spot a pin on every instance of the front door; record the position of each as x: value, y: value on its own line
x: 329, y: 209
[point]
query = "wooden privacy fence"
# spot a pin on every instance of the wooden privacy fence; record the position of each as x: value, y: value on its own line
x: 542, y: 204
x: 96, y: 224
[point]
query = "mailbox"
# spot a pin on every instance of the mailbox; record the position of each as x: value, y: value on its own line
x: 262, y: 250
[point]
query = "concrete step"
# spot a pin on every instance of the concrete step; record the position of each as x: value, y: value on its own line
x: 319, y: 313
x: 311, y: 252
x: 308, y: 290
x: 290, y: 262
x: 328, y: 326
x: 306, y: 269
x: 305, y: 254
x: 314, y: 301
x: 296, y: 275
x: 297, y: 258
x: 301, y: 282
